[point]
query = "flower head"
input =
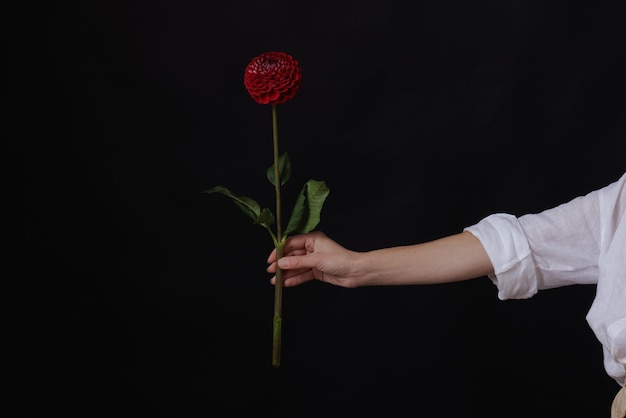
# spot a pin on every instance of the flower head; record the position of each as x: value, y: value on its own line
x: 272, y: 78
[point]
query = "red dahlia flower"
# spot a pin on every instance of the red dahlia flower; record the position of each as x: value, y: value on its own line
x: 272, y: 78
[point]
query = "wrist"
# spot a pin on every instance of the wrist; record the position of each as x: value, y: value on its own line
x: 364, y: 270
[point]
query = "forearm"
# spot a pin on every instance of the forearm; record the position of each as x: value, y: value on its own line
x: 453, y: 258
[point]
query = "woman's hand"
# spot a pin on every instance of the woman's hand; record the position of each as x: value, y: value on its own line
x: 315, y: 256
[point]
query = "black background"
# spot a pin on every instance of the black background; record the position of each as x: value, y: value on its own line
x: 127, y: 292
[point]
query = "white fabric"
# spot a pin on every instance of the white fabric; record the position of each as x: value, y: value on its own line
x: 579, y: 242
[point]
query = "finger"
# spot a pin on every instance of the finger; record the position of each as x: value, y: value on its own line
x: 296, y: 242
x: 295, y: 262
x: 272, y: 256
x: 296, y: 279
x: 286, y: 252
x: 298, y: 251
x: 290, y: 273
x: 286, y: 273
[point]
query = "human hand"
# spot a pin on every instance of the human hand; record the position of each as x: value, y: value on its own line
x: 315, y: 256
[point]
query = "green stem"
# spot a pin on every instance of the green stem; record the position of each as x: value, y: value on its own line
x: 277, y: 331
x: 278, y: 288
x: 277, y: 181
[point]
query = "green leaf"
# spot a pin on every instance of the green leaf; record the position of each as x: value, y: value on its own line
x: 265, y: 218
x: 308, y: 207
x: 284, y: 167
x: 248, y: 205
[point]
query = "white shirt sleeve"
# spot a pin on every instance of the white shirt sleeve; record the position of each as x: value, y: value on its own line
x: 554, y: 248
x: 579, y: 242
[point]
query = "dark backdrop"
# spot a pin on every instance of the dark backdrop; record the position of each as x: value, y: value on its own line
x: 127, y: 292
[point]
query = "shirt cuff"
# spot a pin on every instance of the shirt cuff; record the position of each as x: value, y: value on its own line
x: 617, y: 337
x: 506, y: 245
